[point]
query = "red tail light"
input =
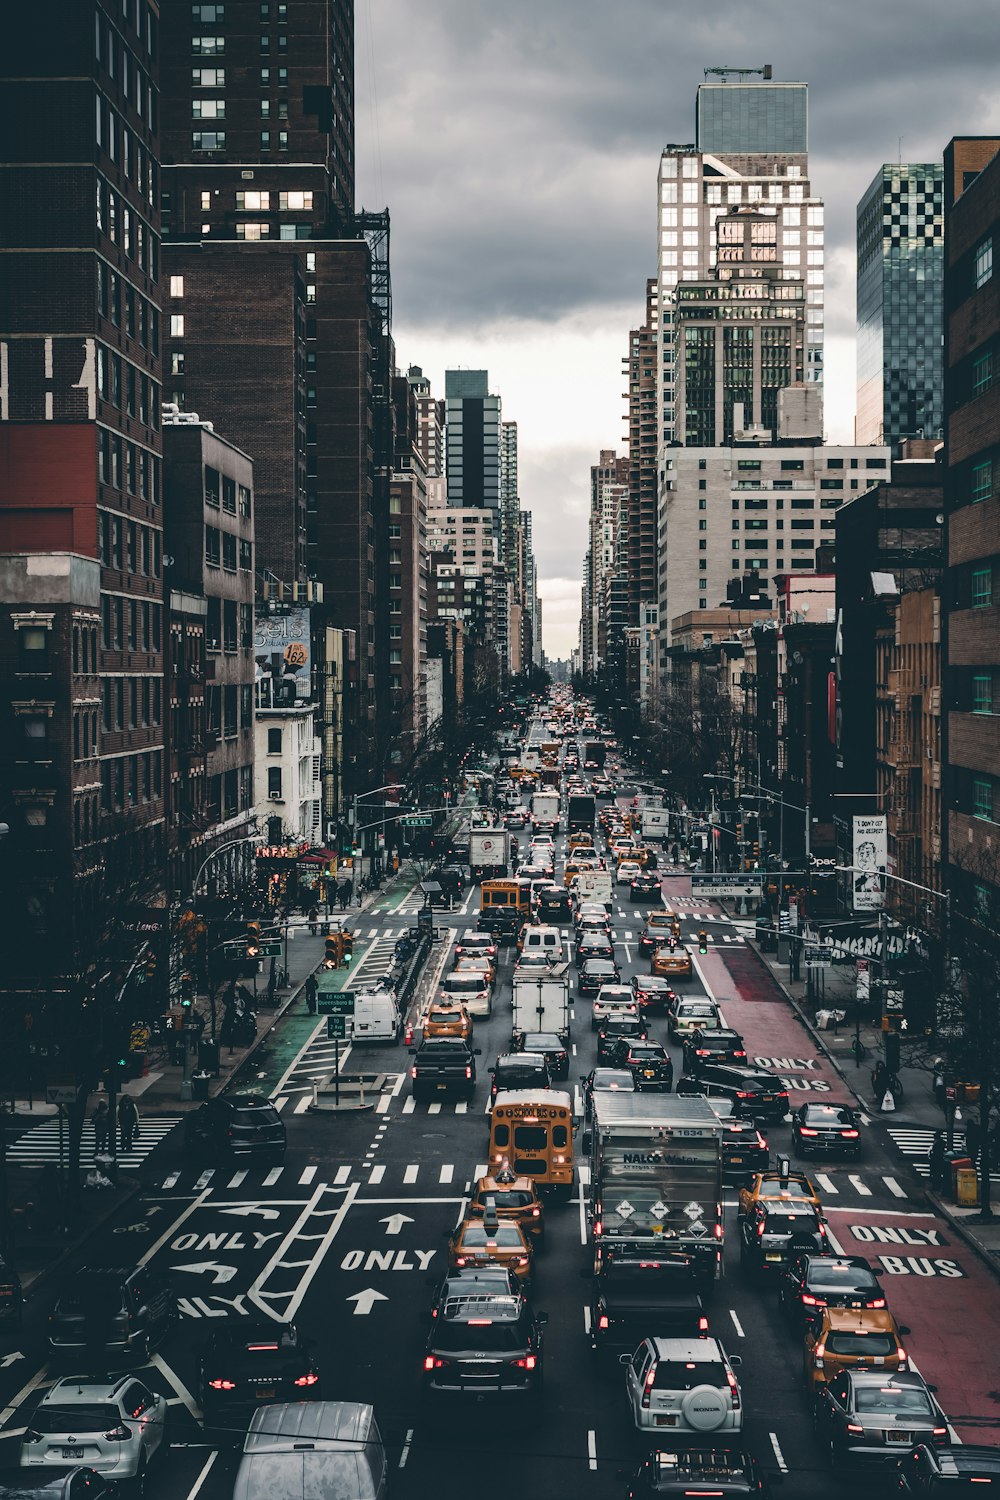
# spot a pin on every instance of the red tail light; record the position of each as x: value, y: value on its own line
x: 877, y: 1302
x: 118, y: 1434
x: 807, y: 1130
x: 310, y: 1379
x: 703, y: 1325
x: 413, y: 1071
x: 742, y: 1094
x: 940, y: 1432
x: 468, y: 1072
x: 603, y: 1322
x: 734, y: 1390
x: 222, y: 1385
x: 809, y: 1301
x: 527, y: 1363
x: 760, y: 1230
x: 432, y: 1362
x: 855, y: 1428
x: 648, y: 1387
x: 738, y: 1052
x: 848, y: 1135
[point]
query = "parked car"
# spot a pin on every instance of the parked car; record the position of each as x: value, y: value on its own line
x: 57, y: 1482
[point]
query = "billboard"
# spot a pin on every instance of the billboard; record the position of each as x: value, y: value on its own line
x: 870, y: 846
x: 282, y: 659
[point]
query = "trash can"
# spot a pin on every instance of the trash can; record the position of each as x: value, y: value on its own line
x: 958, y: 1164
x: 199, y: 1085
x: 137, y: 1064
x: 966, y: 1187
x: 208, y: 1056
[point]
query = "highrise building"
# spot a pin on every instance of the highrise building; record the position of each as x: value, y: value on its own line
x: 472, y: 442
x: 900, y: 290
x: 640, y: 369
x: 81, y: 530
x: 508, y: 495
x: 430, y: 422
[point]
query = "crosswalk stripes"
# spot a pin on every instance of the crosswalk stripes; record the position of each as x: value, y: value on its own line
x: 39, y: 1146
x: 915, y: 1143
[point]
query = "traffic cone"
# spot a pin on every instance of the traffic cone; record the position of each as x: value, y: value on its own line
x: 408, y: 1034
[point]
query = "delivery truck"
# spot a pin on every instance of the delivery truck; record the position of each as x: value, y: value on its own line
x: 541, y: 1001
x: 592, y: 885
x: 596, y: 751
x: 545, y: 812
x: 655, y: 823
x: 581, y: 812
x: 489, y: 853
x: 656, y: 1171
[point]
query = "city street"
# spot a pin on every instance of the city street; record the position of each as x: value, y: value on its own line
x: 346, y: 1235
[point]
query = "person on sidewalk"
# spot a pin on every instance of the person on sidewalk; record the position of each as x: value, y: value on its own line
x: 311, y: 987
x: 973, y: 1139
x: 938, y: 1162
x: 102, y: 1126
x: 313, y: 919
x: 938, y: 1084
x: 128, y: 1121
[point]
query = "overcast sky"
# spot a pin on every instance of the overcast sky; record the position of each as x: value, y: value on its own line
x: 517, y: 144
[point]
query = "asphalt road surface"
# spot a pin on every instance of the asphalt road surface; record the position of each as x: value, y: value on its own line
x: 345, y: 1236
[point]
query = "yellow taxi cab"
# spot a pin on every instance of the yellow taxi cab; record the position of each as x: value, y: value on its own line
x: 853, y: 1338
x: 778, y: 1185
x: 487, y: 1240
x: 514, y: 1198
x: 446, y: 1019
x: 576, y: 867
x: 580, y: 841
x: 487, y: 961
x: 672, y: 960
x: 622, y: 848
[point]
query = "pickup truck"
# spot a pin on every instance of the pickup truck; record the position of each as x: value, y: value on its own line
x: 443, y: 1065
x: 633, y: 1299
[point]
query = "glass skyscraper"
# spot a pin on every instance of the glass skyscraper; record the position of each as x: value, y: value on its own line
x: 753, y: 118
x: 900, y: 230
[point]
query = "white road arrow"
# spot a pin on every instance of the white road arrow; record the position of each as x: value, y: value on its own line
x: 10, y: 1359
x: 222, y: 1274
x: 366, y: 1300
x: 247, y: 1210
x: 394, y: 1223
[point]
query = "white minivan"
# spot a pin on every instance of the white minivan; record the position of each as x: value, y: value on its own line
x: 541, y: 939
x: 376, y: 1016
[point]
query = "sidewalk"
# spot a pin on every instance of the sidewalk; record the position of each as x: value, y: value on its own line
x: 918, y: 1108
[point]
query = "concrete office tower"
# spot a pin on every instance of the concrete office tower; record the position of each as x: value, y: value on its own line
x: 472, y: 442
x: 900, y: 290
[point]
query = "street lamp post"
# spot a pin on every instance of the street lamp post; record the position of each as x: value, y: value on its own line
x: 247, y: 838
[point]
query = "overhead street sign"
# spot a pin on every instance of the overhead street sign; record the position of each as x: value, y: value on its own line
x: 335, y: 1002
x: 727, y: 885
x: 271, y: 950
x: 417, y: 820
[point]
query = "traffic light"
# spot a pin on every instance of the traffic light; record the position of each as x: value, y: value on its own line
x: 253, y: 940
x: 347, y: 946
x: 702, y: 940
x: 332, y: 955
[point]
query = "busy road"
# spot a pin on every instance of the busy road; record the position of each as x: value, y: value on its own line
x: 347, y: 1236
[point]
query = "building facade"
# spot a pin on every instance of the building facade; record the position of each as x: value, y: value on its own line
x: 472, y: 442
x: 900, y: 290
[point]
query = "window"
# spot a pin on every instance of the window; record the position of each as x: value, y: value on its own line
x: 229, y: 551
x: 208, y: 46
x: 177, y: 286
x: 229, y: 494
x: 982, y: 693
x: 229, y: 629
x: 208, y: 109
x: 983, y: 262
x: 274, y: 782
x: 982, y: 588
x: 177, y: 325
x: 274, y: 742
x: 253, y: 202
x: 213, y: 625
x: 295, y: 202
x: 248, y: 230
x: 246, y: 555
x: 177, y: 362
x: 982, y: 373
x: 981, y: 485
x: 208, y: 15
x: 213, y: 547
x: 213, y: 486
x: 982, y: 797
x: 208, y: 78
x: 208, y: 140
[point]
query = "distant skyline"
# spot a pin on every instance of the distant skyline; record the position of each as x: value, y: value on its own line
x: 517, y: 152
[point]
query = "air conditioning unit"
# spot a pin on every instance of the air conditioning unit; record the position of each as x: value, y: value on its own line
x: 275, y: 797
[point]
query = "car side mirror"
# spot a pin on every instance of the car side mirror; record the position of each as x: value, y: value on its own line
x: 491, y: 1069
x: 904, y: 1330
x: 933, y: 1389
x: 477, y: 1051
x: 412, y: 1051
x: 736, y: 1360
x: 624, y: 1359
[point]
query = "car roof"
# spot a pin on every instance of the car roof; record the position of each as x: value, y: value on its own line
x: 286, y: 1428
x: 499, y: 1307
x: 701, y: 1349
x: 74, y: 1391
x: 907, y: 1379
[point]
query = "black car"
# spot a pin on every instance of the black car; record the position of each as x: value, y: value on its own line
x: 649, y: 1063
x: 943, y: 1472
x: 500, y: 921
x: 11, y: 1296
x: 812, y: 1282
x: 484, y: 1343
x: 704, y: 1047
x: 605, y: 1081
x: 614, y: 1030
x: 644, y: 886
x: 826, y: 1130
x: 593, y: 945
x: 547, y: 1045
x: 868, y: 1419
x: 247, y: 1364
x: 442, y: 1064
x: 635, y: 1297
x: 108, y: 1312
x: 771, y: 1234
x: 236, y: 1125
x: 595, y: 972
x: 653, y: 992
x: 471, y: 1281
x: 727, y: 1472
x: 761, y: 1096
x: 518, y: 1070
x: 554, y: 904
x: 54, y: 1482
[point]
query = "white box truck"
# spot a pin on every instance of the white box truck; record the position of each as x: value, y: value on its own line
x: 592, y: 885
x: 541, y: 1001
x: 655, y: 822
x: 545, y: 812
x: 489, y: 853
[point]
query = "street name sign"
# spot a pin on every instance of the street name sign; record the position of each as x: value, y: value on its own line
x: 335, y: 1002
x: 417, y: 820
x: 726, y: 885
x: 271, y: 950
x: 336, y: 1027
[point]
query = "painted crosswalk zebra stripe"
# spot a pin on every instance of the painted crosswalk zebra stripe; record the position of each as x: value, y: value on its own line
x: 40, y: 1145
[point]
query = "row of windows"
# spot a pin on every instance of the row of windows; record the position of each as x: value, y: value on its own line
x: 131, y: 703
x: 223, y: 548
x: 973, y: 585
x: 127, y: 467
x: 130, y: 624
x: 128, y: 545
x: 136, y: 14
x: 215, y: 15
x: 228, y: 626
x: 127, y: 388
x: 214, y: 45
x: 124, y: 147
x: 229, y: 709
x: 222, y: 491
x: 129, y: 781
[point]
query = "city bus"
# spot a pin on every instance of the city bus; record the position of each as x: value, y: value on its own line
x: 533, y: 1130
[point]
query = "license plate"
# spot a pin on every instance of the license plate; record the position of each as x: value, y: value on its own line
x: 773, y: 1255
x: 897, y: 1437
x: 767, y: 1098
x: 267, y: 1392
x: 669, y: 1420
x: 72, y: 1453
x: 442, y: 1085
x: 648, y: 1073
x: 736, y: 1161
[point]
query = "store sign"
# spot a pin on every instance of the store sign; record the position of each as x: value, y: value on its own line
x: 870, y: 847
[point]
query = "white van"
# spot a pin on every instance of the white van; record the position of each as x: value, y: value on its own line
x: 592, y: 885
x: 376, y: 1016
x: 547, y: 940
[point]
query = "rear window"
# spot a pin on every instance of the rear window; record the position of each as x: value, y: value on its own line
x: 507, y: 1236
x: 463, y: 984
x: 887, y: 1398
x: 454, y: 1337
x: 80, y: 1417
x: 511, y: 1198
x: 859, y: 1342
x: 93, y: 1294
x: 839, y: 1278
x: 678, y: 1375
x: 530, y: 1137
x: 790, y: 1224
x: 826, y: 1114
x: 255, y: 1115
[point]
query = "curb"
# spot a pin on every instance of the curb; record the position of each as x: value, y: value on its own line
x: 981, y: 1251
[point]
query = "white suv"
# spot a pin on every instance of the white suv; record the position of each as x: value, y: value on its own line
x: 113, y: 1426
x: 612, y: 1000
x: 683, y: 1386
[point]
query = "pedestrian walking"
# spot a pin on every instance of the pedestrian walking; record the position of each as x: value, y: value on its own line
x: 102, y: 1126
x: 973, y: 1139
x: 344, y: 893
x: 938, y: 1084
x: 313, y: 919
x: 311, y: 988
x: 128, y: 1121
x: 938, y: 1162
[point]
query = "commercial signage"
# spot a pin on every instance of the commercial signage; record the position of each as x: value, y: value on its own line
x: 815, y: 957
x: 864, y: 979
x: 870, y: 845
x: 282, y: 659
x: 727, y: 885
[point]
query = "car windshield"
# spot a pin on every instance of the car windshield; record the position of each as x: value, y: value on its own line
x: 684, y: 1375
x: 451, y: 1338
x: 83, y: 1416
x: 829, y: 1277
x: 908, y: 1400
x: 859, y: 1341
x: 506, y: 1236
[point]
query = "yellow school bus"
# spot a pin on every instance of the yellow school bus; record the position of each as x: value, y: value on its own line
x: 533, y: 1130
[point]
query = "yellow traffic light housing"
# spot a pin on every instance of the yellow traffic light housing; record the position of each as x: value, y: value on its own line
x: 702, y: 940
x: 334, y: 951
x: 253, y: 940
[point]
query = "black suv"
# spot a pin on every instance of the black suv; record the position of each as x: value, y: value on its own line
x: 484, y: 1343
x: 244, y: 1125
x: 441, y: 1064
x: 594, y: 945
x: 812, y: 1282
x: 595, y: 973
x: 728, y: 1472
x: 110, y: 1311
x: 548, y: 1045
x: 554, y: 904
x: 948, y: 1471
x: 704, y: 1047
x: 772, y: 1233
x: 633, y: 1297
x: 518, y: 1070
x: 615, y: 1029
x: 247, y: 1364
x: 649, y: 1063
x: 761, y: 1096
